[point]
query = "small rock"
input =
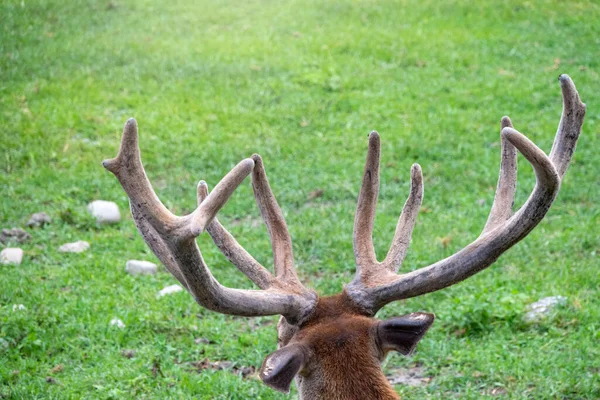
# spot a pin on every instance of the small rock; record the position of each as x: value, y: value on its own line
x: 315, y: 194
x: 137, y: 267
x: 38, y: 219
x: 19, y: 307
x: 219, y: 365
x: 246, y: 371
x: 203, y: 340
x: 11, y: 255
x: 498, y: 391
x: 105, y: 212
x: 542, y: 308
x: 76, y: 247
x: 128, y: 353
x: 169, y: 290
x: 117, y: 322
x: 17, y: 235
x: 57, y: 369
x: 4, y: 344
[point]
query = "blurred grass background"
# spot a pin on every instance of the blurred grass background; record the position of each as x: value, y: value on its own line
x: 302, y: 83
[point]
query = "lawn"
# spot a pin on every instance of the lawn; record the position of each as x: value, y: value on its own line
x: 302, y: 83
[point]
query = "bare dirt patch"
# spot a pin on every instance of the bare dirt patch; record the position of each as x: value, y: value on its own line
x: 223, y: 365
x: 414, y: 376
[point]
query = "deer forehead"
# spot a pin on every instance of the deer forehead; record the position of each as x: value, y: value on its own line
x: 344, y: 328
x: 336, y: 324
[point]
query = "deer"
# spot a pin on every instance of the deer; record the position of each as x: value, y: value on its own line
x: 333, y: 346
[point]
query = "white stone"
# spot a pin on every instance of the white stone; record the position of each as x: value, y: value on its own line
x: 138, y: 267
x: 542, y: 307
x: 169, y: 290
x: 19, y: 307
x: 39, y: 219
x: 117, y: 322
x: 76, y: 247
x: 3, y: 344
x: 105, y: 212
x: 11, y: 255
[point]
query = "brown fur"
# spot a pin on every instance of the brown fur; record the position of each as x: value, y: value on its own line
x: 344, y: 356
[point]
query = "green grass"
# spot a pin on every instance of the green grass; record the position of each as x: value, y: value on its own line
x: 302, y: 83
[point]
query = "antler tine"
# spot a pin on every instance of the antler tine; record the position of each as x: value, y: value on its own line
x: 569, y: 127
x: 364, y: 252
x: 207, y: 210
x: 128, y: 168
x: 281, y: 241
x: 368, y: 268
x: 406, y: 222
x: 172, y: 239
x: 502, y: 230
x: 507, y: 182
x: 234, y: 252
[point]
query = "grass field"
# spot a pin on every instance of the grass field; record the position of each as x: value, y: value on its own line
x: 302, y: 83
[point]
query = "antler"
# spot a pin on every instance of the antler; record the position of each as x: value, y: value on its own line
x: 280, y: 238
x: 172, y: 239
x: 375, y: 284
x: 367, y: 267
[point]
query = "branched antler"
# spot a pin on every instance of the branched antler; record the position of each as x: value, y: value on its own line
x: 367, y: 267
x: 172, y: 239
x: 324, y: 339
x: 375, y: 285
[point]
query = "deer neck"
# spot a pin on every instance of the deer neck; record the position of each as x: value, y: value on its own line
x: 355, y: 384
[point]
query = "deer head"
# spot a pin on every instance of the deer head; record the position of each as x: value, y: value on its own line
x: 333, y: 345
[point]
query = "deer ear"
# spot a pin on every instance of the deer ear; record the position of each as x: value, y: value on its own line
x: 279, y: 368
x: 403, y: 333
